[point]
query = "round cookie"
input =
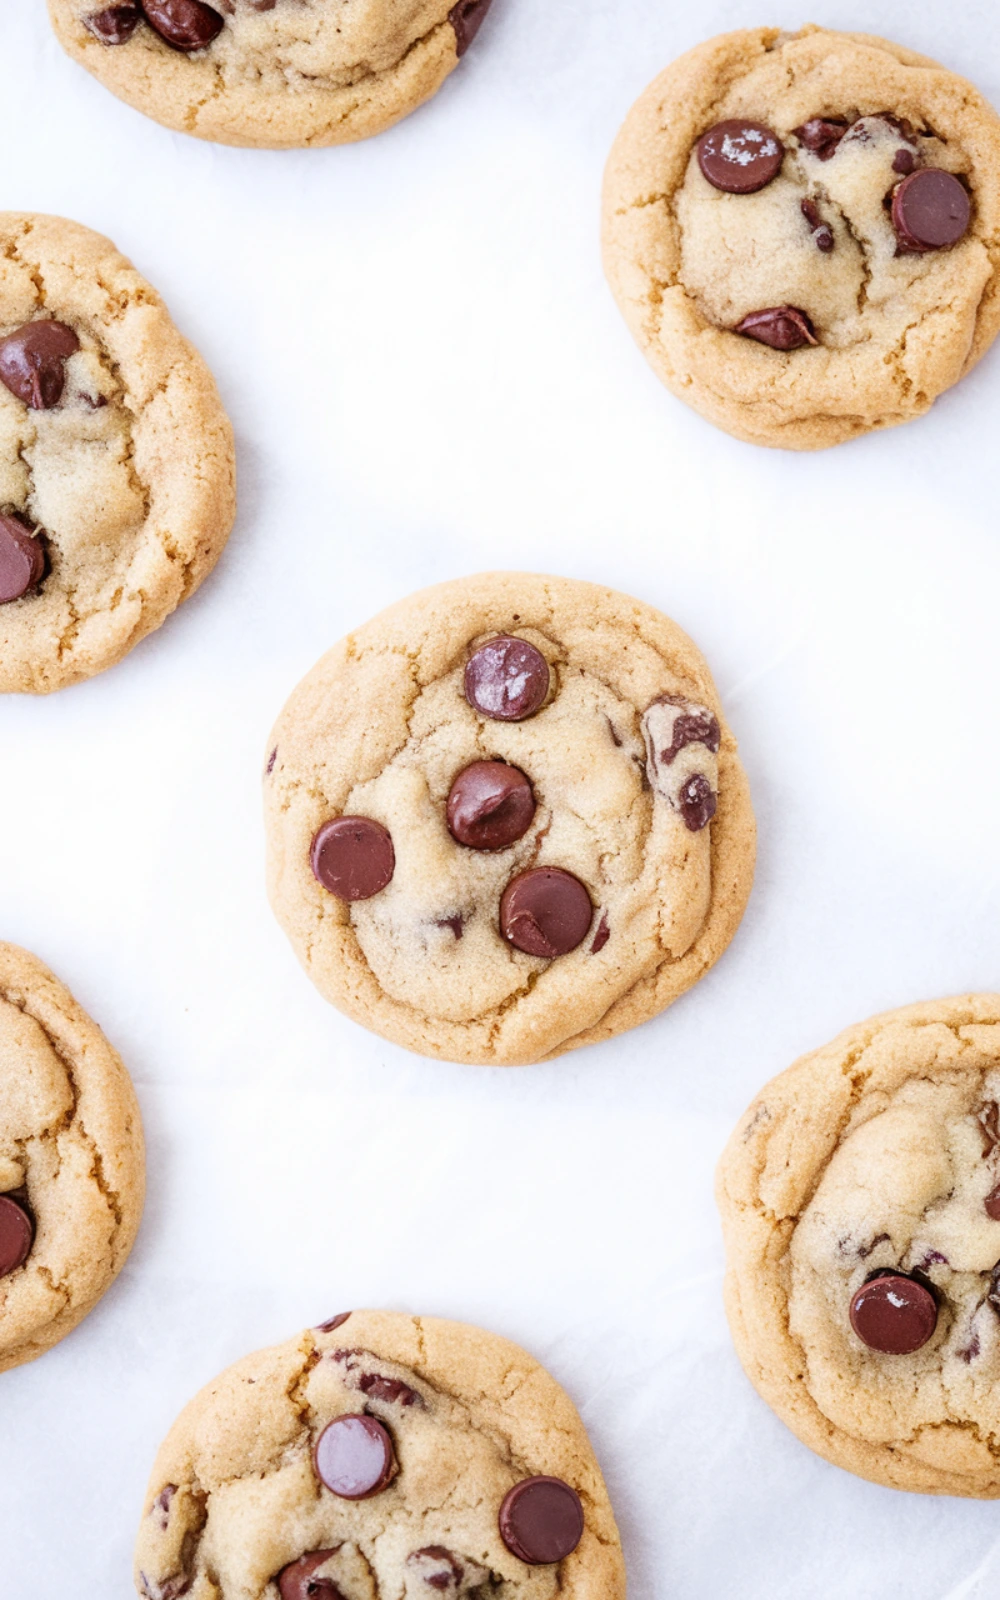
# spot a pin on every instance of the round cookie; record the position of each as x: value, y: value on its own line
x: 72, y: 1168
x: 860, y: 1200
x: 803, y: 232
x: 506, y: 818
x: 380, y: 1455
x: 116, y: 458
x: 272, y: 74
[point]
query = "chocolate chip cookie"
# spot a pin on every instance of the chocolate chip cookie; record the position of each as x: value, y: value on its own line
x: 803, y: 232
x: 273, y: 74
x: 860, y: 1200
x: 116, y: 458
x: 380, y: 1455
x: 72, y: 1168
x: 506, y: 818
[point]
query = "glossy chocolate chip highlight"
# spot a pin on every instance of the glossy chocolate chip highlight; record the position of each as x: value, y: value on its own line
x: 490, y: 806
x: 17, y: 1235
x: 894, y: 1314
x: 545, y: 912
x: 33, y: 362
x: 354, y: 1457
x: 506, y: 679
x: 353, y: 857
x: 931, y: 210
x: 183, y: 24
x: 467, y: 18
x: 541, y: 1521
x: 115, y: 24
x: 297, y: 1582
x: 22, y: 559
x: 779, y: 327
x: 740, y: 157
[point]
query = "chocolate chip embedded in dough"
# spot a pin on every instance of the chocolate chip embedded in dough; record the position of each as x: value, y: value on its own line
x: 697, y: 802
x: 506, y: 679
x: 296, y: 1582
x: 822, y: 135
x: 893, y: 1314
x: 602, y: 935
x: 33, y: 362
x: 822, y: 232
x: 391, y: 1391
x: 992, y: 1203
x: 931, y: 210
x: 904, y: 161
x: 695, y: 726
x: 332, y: 1323
x: 545, y: 912
x: 115, y: 24
x: 17, y: 1234
x: 183, y: 24
x: 353, y: 857
x: 467, y: 18
x: 780, y: 327
x: 22, y: 559
x: 541, y: 1521
x: 490, y: 806
x: 445, y: 1572
x: 354, y: 1457
x: 740, y: 157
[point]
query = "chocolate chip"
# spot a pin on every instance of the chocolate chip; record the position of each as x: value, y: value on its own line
x: 22, y: 559
x: 333, y: 1322
x: 353, y: 857
x: 930, y: 211
x: 691, y: 727
x: 183, y: 24
x: 780, y: 327
x: 467, y: 18
x: 391, y: 1391
x: 992, y: 1203
x: 437, y: 1566
x: 541, y: 1521
x: 740, y: 157
x: 970, y: 1351
x: 490, y: 806
x: 17, y: 1235
x: 296, y: 1582
x: 354, y: 1457
x: 822, y: 232
x: 272, y: 758
x: 602, y: 935
x: 904, y: 162
x: 33, y: 362
x: 989, y: 1126
x: 115, y: 24
x: 821, y: 135
x: 161, y: 1505
x: 697, y: 802
x: 893, y: 1314
x: 545, y: 912
x: 506, y: 679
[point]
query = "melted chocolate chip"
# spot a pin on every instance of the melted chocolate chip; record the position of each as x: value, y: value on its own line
x: 354, y: 1457
x: 22, y: 559
x: 545, y: 912
x: 541, y: 1521
x: 822, y: 232
x: 272, y: 758
x: 821, y: 135
x: 391, y: 1391
x: 697, y: 802
x: 970, y: 1351
x: 332, y: 1323
x: 931, y: 210
x: 33, y: 362
x: 438, y: 1567
x: 490, y: 806
x: 893, y: 1314
x: 17, y: 1234
x: 740, y: 157
x: 691, y: 727
x: 506, y: 679
x: 115, y: 24
x: 296, y: 1582
x: 602, y: 935
x: 992, y: 1203
x: 467, y: 18
x: 780, y: 327
x: 989, y: 1125
x: 183, y: 24
x: 353, y: 857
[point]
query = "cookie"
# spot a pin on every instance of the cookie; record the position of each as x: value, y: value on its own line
x: 379, y: 1455
x: 803, y: 232
x: 274, y: 74
x: 116, y: 458
x: 72, y: 1168
x: 506, y: 818
x: 860, y: 1200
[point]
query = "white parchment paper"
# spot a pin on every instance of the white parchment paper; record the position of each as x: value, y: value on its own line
x: 428, y: 377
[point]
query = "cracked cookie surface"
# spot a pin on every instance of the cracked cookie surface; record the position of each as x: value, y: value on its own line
x: 625, y: 878
x: 236, y: 1508
x: 126, y: 479
x: 871, y: 1168
x: 71, y: 1159
x: 273, y: 74
x: 886, y: 330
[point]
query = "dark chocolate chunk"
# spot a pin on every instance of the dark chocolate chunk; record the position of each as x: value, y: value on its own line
x: 296, y: 1582
x: 332, y: 1323
x: 17, y: 1234
x: 931, y: 210
x: 780, y: 327
x: 992, y: 1203
x: 115, y: 24
x: 541, y: 1521
x: 33, y: 362
x: 183, y: 24
x: 490, y: 806
x: 506, y: 679
x: 894, y: 1314
x: 822, y: 135
x: 22, y: 559
x: 697, y: 802
x: 740, y: 157
x: 602, y: 935
x: 354, y: 1457
x: 353, y: 857
x: 439, y: 1568
x: 904, y: 162
x: 467, y: 17
x: 545, y: 912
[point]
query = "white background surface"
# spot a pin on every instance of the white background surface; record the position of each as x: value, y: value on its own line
x: 428, y: 377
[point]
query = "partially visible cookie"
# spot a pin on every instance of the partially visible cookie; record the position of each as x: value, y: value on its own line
x: 380, y: 1456
x: 72, y: 1167
x: 116, y: 457
x: 860, y: 1200
x: 273, y: 74
x: 803, y: 232
x: 506, y: 818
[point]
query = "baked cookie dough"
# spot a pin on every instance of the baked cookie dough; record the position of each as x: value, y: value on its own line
x: 376, y: 1457
x: 506, y: 818
x: 72, y: 1168
x: 860, y: 1200
x: 116, y: 458
x: 274, y: 74
x: 803, y: 232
